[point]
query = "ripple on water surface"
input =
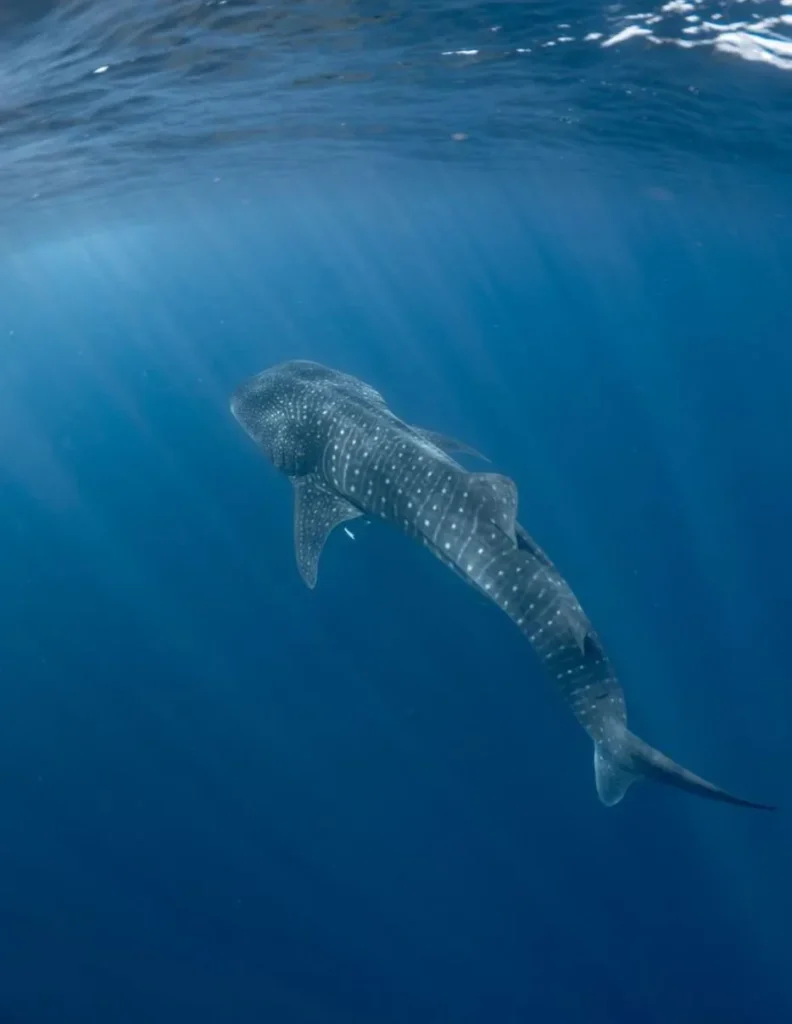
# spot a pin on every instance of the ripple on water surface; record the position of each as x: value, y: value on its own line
x: 99, y: 98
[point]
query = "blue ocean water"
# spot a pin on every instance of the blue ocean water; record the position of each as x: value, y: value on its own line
x: 560, y: 232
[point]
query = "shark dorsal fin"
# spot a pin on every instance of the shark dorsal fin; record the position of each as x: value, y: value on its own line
x: 573, y: 615
x: 317, y: 512
x: 499, y: 501
x: 449, y: 445
x: 527, y: 543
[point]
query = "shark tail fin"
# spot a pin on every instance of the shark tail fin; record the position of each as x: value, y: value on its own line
x: 620, y: 758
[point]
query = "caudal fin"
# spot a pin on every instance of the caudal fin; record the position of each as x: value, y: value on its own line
x: 620, y: 758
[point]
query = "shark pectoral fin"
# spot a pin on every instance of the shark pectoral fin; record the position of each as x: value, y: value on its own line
x: 317, y: 512
x: 449, y: 445
x: 621, y: 757
x: 498, y: 501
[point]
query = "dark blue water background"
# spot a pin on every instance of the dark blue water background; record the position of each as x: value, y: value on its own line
x: 228, y: 799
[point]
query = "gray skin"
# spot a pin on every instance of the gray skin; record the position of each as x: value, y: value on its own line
x: 348, y: 455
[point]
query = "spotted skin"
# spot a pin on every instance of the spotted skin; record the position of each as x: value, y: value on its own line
x: 347, y: 455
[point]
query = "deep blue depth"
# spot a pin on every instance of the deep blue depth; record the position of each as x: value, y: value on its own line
x: 227, y: 799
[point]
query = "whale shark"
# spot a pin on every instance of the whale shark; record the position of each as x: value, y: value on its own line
x: 348, y: 455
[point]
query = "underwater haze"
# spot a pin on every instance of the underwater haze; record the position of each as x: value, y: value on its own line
x: 559, y: 232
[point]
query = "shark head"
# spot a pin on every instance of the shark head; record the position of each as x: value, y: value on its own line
x: 272, y: 409
x: 278, y: 409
